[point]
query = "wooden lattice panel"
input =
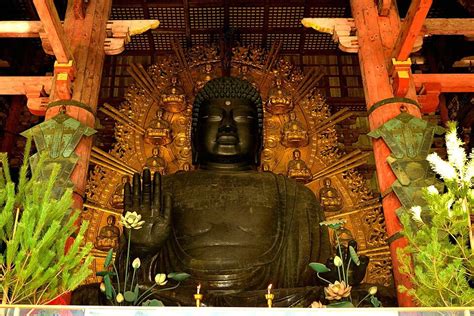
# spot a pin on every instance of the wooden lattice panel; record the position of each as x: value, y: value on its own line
x: 319, y: 41
x: 206, y: 18
x: 251, y: 39
x: 246, y: 17
x: 163, y: 41
x: 285, y: 16
x: 172, y: 17
x: 140, y: 42
x: 200, y: 39
x: 127, y: 13
x: 327, y: 12
x: 289, y: 41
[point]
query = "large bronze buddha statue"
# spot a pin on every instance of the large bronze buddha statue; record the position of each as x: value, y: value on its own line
x: 233, y: 229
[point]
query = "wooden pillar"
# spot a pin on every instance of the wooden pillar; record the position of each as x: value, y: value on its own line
x: 11, y: 126
x: 377, y: 37
x: 86, y: 38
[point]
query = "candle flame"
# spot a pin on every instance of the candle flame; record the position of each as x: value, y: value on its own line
x: 198, y: 288
x: 269, y: 288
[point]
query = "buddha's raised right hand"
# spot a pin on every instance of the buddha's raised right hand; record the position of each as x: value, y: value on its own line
x: 145, y: 197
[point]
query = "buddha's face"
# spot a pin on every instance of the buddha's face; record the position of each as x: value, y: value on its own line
x: 227, y: 131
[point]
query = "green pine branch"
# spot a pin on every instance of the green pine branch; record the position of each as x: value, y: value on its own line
x: 439, y: 235
x: 34, y: 227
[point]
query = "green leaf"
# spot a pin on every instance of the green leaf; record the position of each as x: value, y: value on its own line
x: 354, y: 255
x: 108, y: 287
x: 108, y: 259
x: 153, y: 302
x: 104, y: 273
x: 178, y: 276
x: 341, y: 304
x: 375, y: 301
x: 129, y: 296
x: 319, y: 267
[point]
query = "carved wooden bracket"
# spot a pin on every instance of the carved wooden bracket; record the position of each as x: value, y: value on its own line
x: 428, y: 96
x: 400, y: 77
x: 64, y: 77
x: 36, y: 89
x: 343, y: 30
x: 119, y: 33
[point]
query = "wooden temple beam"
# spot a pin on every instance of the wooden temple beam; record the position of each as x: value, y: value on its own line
x: 410, y: 29
x: 19, y: 85
x: 119, y: 32
x: 54, y: 30
x: 447, y: 82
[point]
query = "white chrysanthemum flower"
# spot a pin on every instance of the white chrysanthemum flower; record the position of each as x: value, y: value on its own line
x: 441, y: 167
x: 469, y: 172
x: 456, y: 154
x: 132, y: 220
x: 416, y: 214
x: 432, y: 190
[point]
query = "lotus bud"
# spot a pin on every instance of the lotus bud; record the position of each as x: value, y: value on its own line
x: 373, y: 290
x: 102, y: 287
x: 119, y: 298
x: 160, y: 279
x: 337, y: 261
x: 136, y: 263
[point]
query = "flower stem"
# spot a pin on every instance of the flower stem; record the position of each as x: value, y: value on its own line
x: 118, y: 279
x: 133, y: 278
x: 340, y: 251
x: 317, y: 274
x: 363, y: 299
x: 126, y: 261
x: 347, y: 271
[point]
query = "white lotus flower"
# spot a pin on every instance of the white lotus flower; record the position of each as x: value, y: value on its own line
x: 416, y: 214
x: 337, y: 261
x: 132, y: 220
x: 443, y: 168
x: 136, y: 263
x: 160, y: 279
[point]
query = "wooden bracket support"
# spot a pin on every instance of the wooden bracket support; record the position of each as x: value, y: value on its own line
x: 400, y: 77
x: 428, y: 97
x: 64, y: 74
x: 119, y: 33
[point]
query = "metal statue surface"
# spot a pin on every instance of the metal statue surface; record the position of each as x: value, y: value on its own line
x: 194, y: 68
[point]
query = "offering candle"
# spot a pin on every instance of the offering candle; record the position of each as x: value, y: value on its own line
x: 269, y: 296
x: 198, y: 296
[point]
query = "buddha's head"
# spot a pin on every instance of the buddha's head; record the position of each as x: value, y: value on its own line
x: 111, y: 220
x: 227, y: 124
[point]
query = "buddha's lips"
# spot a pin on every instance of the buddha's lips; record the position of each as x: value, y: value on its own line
x: 227, y: 139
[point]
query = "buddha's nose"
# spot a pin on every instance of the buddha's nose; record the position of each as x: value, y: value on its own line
x: 228, y: 123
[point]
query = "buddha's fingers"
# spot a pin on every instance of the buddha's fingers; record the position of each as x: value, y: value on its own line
x: 167, y: 205
x: 146, y: 194
x: 156, y: 199
x: 137, y: 192
x: 127, y: 198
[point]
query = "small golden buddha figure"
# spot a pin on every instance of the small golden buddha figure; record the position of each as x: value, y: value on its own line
x: 266, y: 167
x: 155, y: 163
x: 329, y: 197
x: 159, y: 130
x: 297, y: 168
x: 116, y: 200
x: 279, y: 100
x: 205, y: 77
x: 294, y: 134
x: 108, y: 237
x: 173, y: 98
x: 186, y: 167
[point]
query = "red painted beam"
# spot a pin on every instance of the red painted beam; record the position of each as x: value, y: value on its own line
x: 411, y: 27
x: 448, y: 82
